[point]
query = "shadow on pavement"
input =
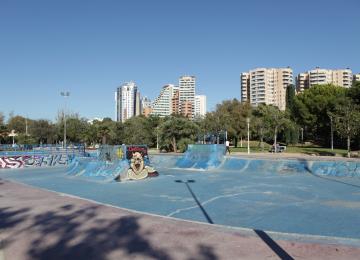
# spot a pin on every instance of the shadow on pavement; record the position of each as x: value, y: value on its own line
x: 69, y: 233
x: 262, y: 234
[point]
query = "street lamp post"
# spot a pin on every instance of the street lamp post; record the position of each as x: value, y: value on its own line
x: 302, y: 135
x: 248, y: 134
x: 65, y: 95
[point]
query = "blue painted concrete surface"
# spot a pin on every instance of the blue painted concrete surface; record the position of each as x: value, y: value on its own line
x: 293, y: 196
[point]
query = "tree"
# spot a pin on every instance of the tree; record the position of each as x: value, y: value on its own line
x: 214, y: 123
x: 347, y: 121
x: 90, y: 134
x: 177, y: 129
x: 105, y: 130
x: 138, y: 130
x: 17, y: 123
x: 42, y: 131
x: 273, y: 120
x: 76, y: 129
x: 290, y: 96
x: 2, y: 119
x: 310, y: 109
x: 260, y: 124
x: 3, y: 129
x: 233, y: 115
x: 354, y: 93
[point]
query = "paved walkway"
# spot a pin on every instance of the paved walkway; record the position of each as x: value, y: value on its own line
x: 38, y: 224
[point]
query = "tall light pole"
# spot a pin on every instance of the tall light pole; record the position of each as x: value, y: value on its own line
x: 248, y: 134
x: 65, y: 94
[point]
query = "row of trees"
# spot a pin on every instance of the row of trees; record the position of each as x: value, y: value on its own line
x: 316, y: 115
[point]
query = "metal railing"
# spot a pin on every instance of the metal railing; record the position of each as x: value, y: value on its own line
x: 41, y: 149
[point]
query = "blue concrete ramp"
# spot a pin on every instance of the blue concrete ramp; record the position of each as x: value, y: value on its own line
x: 202, y: 156
x: 95, y: 169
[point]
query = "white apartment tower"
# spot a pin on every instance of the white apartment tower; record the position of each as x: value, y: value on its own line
x: 200, y: 105
x: 245, y: 86
x: 318, y: 76
x: 163, y: 104
x: 187, y: 96
x: 266, y: 86
x: 126, y: 101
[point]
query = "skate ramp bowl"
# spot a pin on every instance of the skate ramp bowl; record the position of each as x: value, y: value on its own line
x: 95, y: 169
x: 202, y: 156
x: 293, y: 166
x: 290, y: 196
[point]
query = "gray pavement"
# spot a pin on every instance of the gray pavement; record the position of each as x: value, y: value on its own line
x: 39, y: 224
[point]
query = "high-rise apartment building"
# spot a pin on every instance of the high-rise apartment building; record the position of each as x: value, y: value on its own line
x: 146, y: 106
x: 187, y: 96
x: 175, y: 102
x: 126, y: 101
x: 302, y: 82
x: 266, y: 86
x: 163, y: 104
x: 245, y: 87
x: 200, y: 105
x: 138, y: 108
x: 318, y: 76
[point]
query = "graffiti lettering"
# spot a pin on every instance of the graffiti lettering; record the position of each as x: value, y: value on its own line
x: 8, y: 162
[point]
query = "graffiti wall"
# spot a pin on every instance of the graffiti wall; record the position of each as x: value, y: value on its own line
x: 22, y: 161
x: 131, y: 149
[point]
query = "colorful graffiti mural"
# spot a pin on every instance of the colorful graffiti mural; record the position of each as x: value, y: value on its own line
x: 7, y: 162
x: 131, y: 149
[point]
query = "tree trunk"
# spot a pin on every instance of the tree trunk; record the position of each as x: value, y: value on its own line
x: 261, y: 140
x: 174, y: 144
x: 104, y: 139
x: 275, y: 136
x: 241, y: 144
x: 348, y: 146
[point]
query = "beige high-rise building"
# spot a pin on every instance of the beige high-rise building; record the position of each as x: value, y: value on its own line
x: 146, y: 106
x: 302, y: 82
x: 318, y: 76
x: 187, y: 108
x: 266, y: 86
x: 175, y: 102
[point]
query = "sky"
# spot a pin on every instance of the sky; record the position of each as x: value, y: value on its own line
x: 90, y: 47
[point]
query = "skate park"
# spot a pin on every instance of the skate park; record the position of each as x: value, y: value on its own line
x: 311, y: 202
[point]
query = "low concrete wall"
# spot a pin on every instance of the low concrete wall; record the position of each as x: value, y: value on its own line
x: 22, y: 161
